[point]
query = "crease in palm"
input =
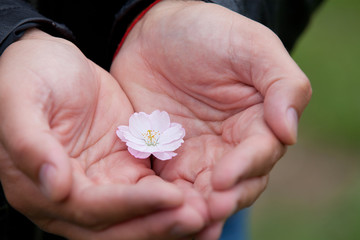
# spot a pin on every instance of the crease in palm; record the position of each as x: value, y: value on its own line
x: 216, y: 109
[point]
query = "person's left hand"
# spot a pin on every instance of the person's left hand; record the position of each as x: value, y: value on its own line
x: 238, y: 100
x: 61, y: 164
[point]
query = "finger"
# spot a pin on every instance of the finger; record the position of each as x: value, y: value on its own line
x: 277, y: 77
x: 286, y: 88
x: 35, y: 151
x: 284, y: 103
x: 166, y: 225
x: 253, y: 157
x: 211, y: 232
x: 223, y: 204
x: 101, y: 206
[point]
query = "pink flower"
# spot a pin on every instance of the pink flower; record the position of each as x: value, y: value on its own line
x: 152, y: 134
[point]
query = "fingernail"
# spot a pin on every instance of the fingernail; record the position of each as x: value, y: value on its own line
x: 293, y: 122
x: 46, y: 176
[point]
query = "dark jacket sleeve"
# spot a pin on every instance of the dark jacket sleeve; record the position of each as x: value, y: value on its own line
x: 287, y: 19
x: 127, y: 13
x: 17, y: 16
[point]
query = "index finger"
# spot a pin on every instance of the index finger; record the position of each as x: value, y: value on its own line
x: 256, y: 151
x: 99, y: 206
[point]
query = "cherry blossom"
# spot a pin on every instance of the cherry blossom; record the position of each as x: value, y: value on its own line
x: 152, y: 134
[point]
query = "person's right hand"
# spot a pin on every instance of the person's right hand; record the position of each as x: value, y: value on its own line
x: 61, y: 163
x: 231, y: 84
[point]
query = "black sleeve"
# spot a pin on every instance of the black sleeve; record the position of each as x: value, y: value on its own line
x: 127, y: 13
x: 287, y: 19
x: 16, y: 16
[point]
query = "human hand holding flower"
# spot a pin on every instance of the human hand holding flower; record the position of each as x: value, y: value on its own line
x: 61, y: 163
x: 231, y: 84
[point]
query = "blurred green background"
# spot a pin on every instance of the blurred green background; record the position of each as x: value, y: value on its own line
x: 314, y: 191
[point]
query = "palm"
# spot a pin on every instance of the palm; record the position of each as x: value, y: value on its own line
x: 84, y: 115
x: 80, y: 107
x: 90, y: 123
x: 202, y: 76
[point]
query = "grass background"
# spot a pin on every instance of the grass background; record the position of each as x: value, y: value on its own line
x: 314, y: 191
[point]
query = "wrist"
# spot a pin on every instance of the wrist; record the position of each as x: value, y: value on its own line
x: 163, y: 8
x: 34, y: 33
x: 39, y: 35
x: 132, y: 25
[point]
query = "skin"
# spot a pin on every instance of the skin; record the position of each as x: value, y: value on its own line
x: 59, y: 112
x: 212, y: 70
x: 239, y: 100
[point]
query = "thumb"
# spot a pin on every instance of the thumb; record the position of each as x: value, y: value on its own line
x: 26, y: 136
x: 285, y: 88
x: 284, y: 102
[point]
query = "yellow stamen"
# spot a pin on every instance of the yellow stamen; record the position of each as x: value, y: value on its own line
x: 151, y: 137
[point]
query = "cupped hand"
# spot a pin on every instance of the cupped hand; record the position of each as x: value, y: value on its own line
x: 61, y: 163
x: 232, y: 85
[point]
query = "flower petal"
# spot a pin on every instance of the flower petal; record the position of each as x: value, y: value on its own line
x: 164, y: 155
x: 125, y: 135
x: 120, y: 131
x: 138, y: 154
x: 138, y: 147
x: 160, y: 121
x: 139, y: 123
x: 175, y: 132
x: 165, y: 137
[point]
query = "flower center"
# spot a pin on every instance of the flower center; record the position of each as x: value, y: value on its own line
x: 151, y: 137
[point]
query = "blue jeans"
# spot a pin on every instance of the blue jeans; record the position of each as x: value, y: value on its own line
x: 236, y: 227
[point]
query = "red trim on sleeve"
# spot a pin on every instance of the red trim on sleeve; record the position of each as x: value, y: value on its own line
x: 133, y: 24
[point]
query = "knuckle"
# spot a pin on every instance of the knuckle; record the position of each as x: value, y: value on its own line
x: 305, y: 88
x: 86, y: 218
x: 273, y: 151
x: 253, y: 190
